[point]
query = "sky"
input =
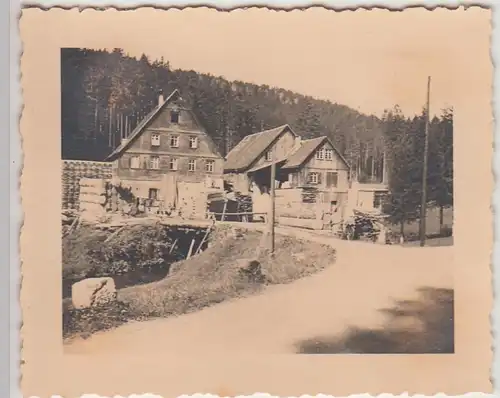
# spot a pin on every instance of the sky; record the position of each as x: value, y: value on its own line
x: 368, y: 60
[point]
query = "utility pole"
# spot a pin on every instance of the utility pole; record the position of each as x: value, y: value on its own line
x: 272, y: 194
x: 423, y: 205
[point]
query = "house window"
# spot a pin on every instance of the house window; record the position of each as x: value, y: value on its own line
x: 172, y: 165
x: 328, y: 154
x: 320, y: 154
x: 269, y: 155
x: 331, y: 179
x: 155, y: 139
x: 153, y: 193
x: 192, y: 165
x: 174, y: 141
x: 209, y: 166
x: 313, y: 178
x: 135, y: 162
x: 193, y: 142
x: 154, y: 162
x: 174, y: 116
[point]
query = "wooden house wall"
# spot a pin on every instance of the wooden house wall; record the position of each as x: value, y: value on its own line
x: 283, y: 147
x: 300, y: 177
x: 186, y: 128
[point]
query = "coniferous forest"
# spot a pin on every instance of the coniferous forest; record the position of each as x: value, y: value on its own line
x: 104, y: 94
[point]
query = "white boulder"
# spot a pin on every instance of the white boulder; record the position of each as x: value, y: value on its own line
x: 93, y: 292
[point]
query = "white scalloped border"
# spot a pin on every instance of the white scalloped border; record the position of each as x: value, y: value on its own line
x: 286, y: 7
x: 266, y: 395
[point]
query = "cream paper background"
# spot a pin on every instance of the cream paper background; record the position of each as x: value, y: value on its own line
x: 47, y: 371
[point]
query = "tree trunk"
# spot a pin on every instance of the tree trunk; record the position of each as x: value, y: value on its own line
x: 441, y: 219
x: 402, y: 231
x: 96, y: 120
x: 110, y: 128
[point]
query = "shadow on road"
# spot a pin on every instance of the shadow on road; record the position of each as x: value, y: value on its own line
x: 423, y: 326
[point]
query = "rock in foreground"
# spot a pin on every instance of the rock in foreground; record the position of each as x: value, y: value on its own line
x: 93, y: 292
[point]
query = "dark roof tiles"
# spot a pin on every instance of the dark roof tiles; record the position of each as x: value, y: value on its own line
x: 140, y: 127
x: 307, y: 147
x: 252, y: 146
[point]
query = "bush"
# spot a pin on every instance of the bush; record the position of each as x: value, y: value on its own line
x: 76, y: 261
x: 87, y: 254
x: 86, y: 321
x: 136, y: 248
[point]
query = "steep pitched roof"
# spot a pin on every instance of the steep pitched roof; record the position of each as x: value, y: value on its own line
x: 251, y: 147
x: 143, y: 124
x: 306, y: 149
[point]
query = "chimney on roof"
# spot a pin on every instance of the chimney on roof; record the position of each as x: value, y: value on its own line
x: 298, y: 140
x: 161, y: 98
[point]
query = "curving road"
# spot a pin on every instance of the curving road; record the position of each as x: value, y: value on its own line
x: 365, y: 279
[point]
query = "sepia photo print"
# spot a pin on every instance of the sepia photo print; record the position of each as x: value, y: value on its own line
x: 262, y: 184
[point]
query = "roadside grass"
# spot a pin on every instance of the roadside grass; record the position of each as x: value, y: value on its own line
x: 432, y: 242
x: 215, y: 275
x: 411, y: 229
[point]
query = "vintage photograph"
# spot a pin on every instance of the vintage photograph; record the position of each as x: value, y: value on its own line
x: 226, y: 195
x: 184, y: 189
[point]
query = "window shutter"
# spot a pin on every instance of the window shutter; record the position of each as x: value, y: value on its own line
x: 319, y: 178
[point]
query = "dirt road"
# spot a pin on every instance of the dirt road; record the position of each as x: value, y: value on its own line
x: 208, y: 350
x: 352, y: 292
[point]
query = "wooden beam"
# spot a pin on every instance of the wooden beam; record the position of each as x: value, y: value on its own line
x: 173, y: 246
x: 114, y: 234
x: 190, y: 249
x: 248, y: 213
x: 224, y: 210
x: 273, y: 199
x: 203, y: 240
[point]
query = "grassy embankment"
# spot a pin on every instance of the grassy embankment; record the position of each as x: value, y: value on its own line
x: 213, y: 276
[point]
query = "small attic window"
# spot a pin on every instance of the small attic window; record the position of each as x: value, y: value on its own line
x: 174, y: 116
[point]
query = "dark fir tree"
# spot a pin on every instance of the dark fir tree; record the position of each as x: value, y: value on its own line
x: 105, y: 94
x: 441, y: 163
x: 404, y: 200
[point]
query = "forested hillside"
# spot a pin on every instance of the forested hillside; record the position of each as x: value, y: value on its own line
x: 104, y: 94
